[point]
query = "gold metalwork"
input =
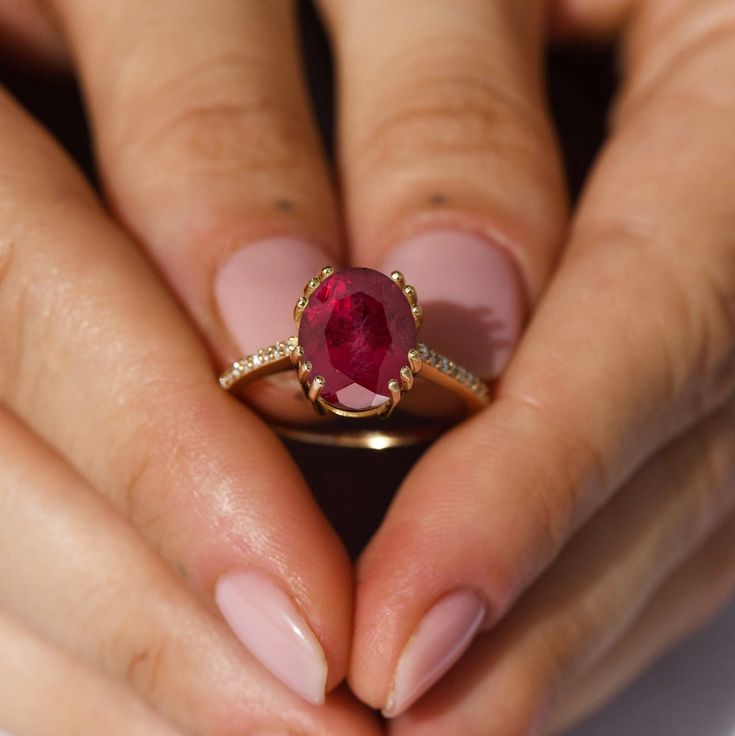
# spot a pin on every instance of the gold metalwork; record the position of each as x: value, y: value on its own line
x: 304, y: 370
x: 296, y: 356
x: 298, y: 310
x: 288, y: 355
x: 406, y: 378
x: 395, y: 396
x: 397, y: 276
x: 315, y: 388
x: 414, y: 360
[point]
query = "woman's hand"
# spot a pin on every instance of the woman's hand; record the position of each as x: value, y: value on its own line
x: 209, y: 157
x: 450, y: 173
x: 607, y: 461
x: 114, y: 434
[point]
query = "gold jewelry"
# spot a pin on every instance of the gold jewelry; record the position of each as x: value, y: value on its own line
x: 357, y: 329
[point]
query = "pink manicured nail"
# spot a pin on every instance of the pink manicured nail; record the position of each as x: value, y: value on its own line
x: 471, y: 294
x: 268, y: 624
x: 439, y: 640
x: 257, y: 286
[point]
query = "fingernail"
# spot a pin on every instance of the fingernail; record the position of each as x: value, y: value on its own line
x: 471, y: 295
x: 257, y: 286
x: 439, y: 640
x: 266, y: 621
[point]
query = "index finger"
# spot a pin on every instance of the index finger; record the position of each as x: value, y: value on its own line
x: 99, y: 361
x: 633, y: 341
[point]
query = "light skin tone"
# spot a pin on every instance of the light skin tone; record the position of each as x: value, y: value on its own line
x: 159, y: 552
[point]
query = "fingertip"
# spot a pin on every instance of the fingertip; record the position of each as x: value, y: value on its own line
x: 268, y: 623
x: 471, y: 294
x: 257, y: 285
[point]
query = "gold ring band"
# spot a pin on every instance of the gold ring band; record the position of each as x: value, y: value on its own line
x: 420, y: 361
x: 430, y: 365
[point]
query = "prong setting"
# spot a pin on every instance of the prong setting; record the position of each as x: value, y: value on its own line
x: 397, y: 277
x: 396, y: 395
x: 418, y: 315
x: 312, y: 286
x: 301, y: 305
x: 415, y: 360
x: 411, y: 295
x: 315, y: 388
x: 297, y: 355
x: 406, y: 378
x: 305, y: 369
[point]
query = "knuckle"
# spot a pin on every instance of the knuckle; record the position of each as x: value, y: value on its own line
x: 144, y: 667
x: 683, y: 30
x: 689, y: 308
x: 703, y: 304
x: 137, y: 653
x: 574, y: 638
x: 229, y: 121
x: 558, y: 493
x: 448, y: 116
x: 714, y: 473
x: 718, y: 333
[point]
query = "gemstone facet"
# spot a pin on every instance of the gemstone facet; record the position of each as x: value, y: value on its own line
x: 356, y: 331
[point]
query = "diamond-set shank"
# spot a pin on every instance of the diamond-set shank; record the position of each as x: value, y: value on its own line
x: 422, y: 360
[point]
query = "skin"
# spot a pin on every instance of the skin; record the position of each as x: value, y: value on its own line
x: 594, y: 551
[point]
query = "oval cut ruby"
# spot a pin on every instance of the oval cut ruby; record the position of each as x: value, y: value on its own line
x: 356, y: 331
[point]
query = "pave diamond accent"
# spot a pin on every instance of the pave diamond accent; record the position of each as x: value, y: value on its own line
x: 242, y: 367
x: 443, y: 364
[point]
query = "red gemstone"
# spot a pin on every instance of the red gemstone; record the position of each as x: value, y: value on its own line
x: 356, y: 331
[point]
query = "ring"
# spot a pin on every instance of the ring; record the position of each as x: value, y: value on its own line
x: 356, y: 353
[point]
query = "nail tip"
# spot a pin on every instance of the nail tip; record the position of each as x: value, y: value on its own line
x: 265, y: 619
x: 467, y: 611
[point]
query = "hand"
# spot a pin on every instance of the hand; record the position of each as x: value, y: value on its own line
x: 208, y: 156
x: 586, y: 520
x: 134, y: 492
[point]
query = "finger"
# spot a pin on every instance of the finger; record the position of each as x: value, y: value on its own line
x: 689, y: 599
x: 589, y: 598
x: 208, y: 152
x: 100, y: 362
x: 596, y: 20
x: 633, y: 343
x: 27, y: 31
x: 43, y: 691
x: 79, y: 575
x: 448, y: 162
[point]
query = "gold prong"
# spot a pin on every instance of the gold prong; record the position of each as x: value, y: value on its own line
x: 397, y: 276
x: 326, y: 272
x: 297, y: 355
x: 316, y: 388
x: 418, y: 314
x: 411, y: 295
x: 395, y: 391
x: 312, y: 286
x: 304, y: 370
x: 406, y: 378
x: 415, y: 360
x: 301, y: 305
